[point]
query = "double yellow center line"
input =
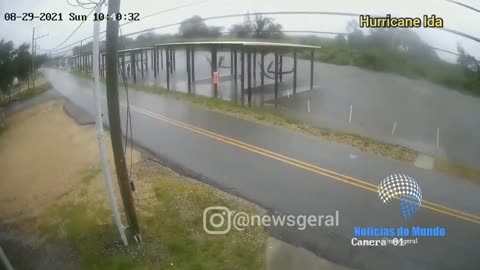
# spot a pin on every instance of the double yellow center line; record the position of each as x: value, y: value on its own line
x: 303, y: 165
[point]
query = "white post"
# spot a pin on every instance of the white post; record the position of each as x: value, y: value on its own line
x: 107, y: 177
x: 308, y: 105
x: 394, y: 126
x: 438, y: 137
x: 350, y: 116
x: 5, y: 260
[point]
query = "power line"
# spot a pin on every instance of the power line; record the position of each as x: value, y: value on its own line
x: 74, y: 31
x: 278, y: 13
x: 271, y: 13
x: 71, y: 49
x: 73, y: 5
x: 85, y: 6
x: 312, y: 32
x: 255, y: 13
x: 166, y: 10
x: 336, y: 33
x: 297, y: 31
x: 463, y: 5
x: 460, y: 34
x: 128, y: 124
x: 288, y: 13
x: 144, y: 17
x: 305, y: 32
x: 445, y: 51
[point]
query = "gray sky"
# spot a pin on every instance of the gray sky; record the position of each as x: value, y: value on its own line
x: 455, y: 17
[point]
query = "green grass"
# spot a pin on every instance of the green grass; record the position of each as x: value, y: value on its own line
x: 28, y: 93
x: 82, y: 74
x: 86, y: 227
x: 188, y: 246
x: 171, y: 225
x: 3, y: 129
x: 89, y: 175
x: 461, y: 171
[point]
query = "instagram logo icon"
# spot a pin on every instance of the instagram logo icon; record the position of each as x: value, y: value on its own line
x: 216, y: 220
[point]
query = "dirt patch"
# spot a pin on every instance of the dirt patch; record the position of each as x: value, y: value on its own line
x: 55, y: 212
x: 44, y: 154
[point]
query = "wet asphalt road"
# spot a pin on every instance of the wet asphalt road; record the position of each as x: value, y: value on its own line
x: 279, y: 186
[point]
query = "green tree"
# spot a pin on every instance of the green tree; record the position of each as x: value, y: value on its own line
x: 7, y: 67
x: 149, y: 38
x: 85, y: 48
x: 146, y: 39
x: 469, y: 64
x: 257, y: 26
x: 263, y: 27
x: 340, y: 40
x: 240, y: 30
x: 195, y: 27
x: 355, y: 37
x: 40, y: 60
x: 23, y: 62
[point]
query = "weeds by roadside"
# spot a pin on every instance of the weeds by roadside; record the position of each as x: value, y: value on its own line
x: 27, y: 94
x: 279, y: 118
x: 170, y: 209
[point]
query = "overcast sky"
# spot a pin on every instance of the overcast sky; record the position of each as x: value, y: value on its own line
x: 455, y: 17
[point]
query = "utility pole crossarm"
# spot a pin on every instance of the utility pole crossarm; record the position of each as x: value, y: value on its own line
x: 41, y: 36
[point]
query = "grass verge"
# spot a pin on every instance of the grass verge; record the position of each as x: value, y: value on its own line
x: 3, y: 129
x: 82, y: 74
x: 458, y: 170
x: 169, y: 210
x: 279, y: 118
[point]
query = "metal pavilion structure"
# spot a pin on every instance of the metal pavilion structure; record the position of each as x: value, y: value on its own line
x: 243, y: 63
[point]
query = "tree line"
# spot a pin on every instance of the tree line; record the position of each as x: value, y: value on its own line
x: 195, y: 28
x: 399, y: 51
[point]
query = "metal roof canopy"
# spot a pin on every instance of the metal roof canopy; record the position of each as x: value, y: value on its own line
x: 163, y: 55
x: 134, y: 50
x: 229, y: 44
x: 246, y: 49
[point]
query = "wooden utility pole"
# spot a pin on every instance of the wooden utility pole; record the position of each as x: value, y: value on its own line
x: 114, y: 119
x: 34, y: 54
x: 33, y: 57
x: 107, y: 176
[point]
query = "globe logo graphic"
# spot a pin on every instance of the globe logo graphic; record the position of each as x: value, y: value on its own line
x: 406, y: 189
